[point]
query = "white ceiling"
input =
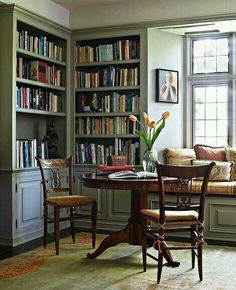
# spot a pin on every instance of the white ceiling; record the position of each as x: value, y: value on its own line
x: 196, y: 28
x: 71, y: 4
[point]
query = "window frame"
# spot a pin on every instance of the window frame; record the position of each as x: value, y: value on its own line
x: 192, y: 80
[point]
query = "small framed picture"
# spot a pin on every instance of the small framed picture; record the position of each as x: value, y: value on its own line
x: 167, y: 86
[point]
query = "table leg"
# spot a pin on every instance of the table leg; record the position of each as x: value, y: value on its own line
x: 111, y: 241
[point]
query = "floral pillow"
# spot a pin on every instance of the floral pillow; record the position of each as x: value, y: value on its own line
x: 230, y: 153
x: 179, y: 156
x: 205, y: 152
x: 222, y: 171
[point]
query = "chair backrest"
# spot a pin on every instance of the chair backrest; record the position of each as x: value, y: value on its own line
x: 57, y: 175
x: 183, y: 187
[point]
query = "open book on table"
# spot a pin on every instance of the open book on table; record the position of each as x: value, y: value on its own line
x: 132, y: 174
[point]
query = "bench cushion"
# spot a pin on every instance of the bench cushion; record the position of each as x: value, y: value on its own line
x: 216, y: 187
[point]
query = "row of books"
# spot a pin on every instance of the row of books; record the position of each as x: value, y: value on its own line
x: 104, y: 125
x: 38, y: 99
x: 109, y: 103
x: 39, y: 44
x: 107, y: 77
x: 27, y: 150
x: 125, y: 49
x: 95, y: 153
x: 38, y: 71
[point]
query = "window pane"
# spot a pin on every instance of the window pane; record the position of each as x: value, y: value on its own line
x: 221, y: 141
x: 198, y: 48
x: 199, y: 140
x: 210, y: 47
x: 222, y: 64
x: 222, y: 46
x: 198, y: 65
x: 210, y: 64
x: 199, y: 95
x: 210, y: 128
x: 199, y: 111
x: 222, y: 128
x: 200, y: 128
x: 210, y: 94
x: 222, y: 93
x: 211, y: 141
x: 222, y: 111
x: 211, y: 111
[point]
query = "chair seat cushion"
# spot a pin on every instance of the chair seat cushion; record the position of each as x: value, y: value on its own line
x: 69, y: 200
x: 173, y: 216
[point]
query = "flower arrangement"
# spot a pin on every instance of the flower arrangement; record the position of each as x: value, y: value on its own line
x: 151, y: 129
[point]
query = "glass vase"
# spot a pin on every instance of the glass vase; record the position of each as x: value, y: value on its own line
x: 149, y: 159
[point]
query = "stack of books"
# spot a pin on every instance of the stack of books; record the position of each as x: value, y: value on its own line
x: 109, y: 169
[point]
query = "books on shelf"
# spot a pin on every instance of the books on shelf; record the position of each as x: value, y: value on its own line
x: 40, y: 71
x: 123, y: 49
x: 39, y: 44
x: 109, y: 169
x: 38, y: 99
x: 27, y: 150
x: 97, y: 153
x: 132, y: 174
x: 107, y: 77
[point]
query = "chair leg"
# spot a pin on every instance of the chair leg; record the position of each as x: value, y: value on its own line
x: 200, y: 262
x: 144, y: 245
x: 193, y: 241
x: 56, y: 228
x: 94, y: 223
x: 160, y: 263
x: 72, y: 228
x: 45, y: 227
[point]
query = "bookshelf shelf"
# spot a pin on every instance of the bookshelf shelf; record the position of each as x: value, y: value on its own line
x: 40, y: 112
x: 40, y: 84
x: 105, y: 114
x: 33, y: 55
x: 105, y: 89
x: 108, y: 63
x: 108, y: 136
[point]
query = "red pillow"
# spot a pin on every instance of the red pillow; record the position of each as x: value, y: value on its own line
x: 206, y: 152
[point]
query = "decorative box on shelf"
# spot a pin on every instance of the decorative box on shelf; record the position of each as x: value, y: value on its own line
x: 116, y: 160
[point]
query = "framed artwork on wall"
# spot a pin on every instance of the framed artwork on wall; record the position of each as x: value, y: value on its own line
x: 167, y: 86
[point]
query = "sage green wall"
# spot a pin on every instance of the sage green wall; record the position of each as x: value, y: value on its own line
x: 165, y: 51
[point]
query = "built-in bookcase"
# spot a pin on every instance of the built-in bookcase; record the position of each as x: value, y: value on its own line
x: 34, y: 93
x: 40, y: 96
x: 107, y: 91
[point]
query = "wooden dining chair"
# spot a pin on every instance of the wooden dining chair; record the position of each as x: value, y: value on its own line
x: 179, y: 216
x: 57, y: 180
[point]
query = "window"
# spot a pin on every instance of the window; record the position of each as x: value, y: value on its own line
x: 210, y: 83
x: 210, y: 55
x: 210, y: 114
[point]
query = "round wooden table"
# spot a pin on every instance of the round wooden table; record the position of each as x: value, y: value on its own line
x: 132, y: 233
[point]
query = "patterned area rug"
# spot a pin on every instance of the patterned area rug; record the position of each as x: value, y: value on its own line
x: 118, y: 268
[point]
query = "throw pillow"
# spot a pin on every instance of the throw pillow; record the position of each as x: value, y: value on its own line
x: 222, y: 171
x: 230, y: 153
x: 205, y: 152
x: 179, y: 156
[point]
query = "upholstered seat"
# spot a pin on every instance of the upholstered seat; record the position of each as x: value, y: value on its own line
x: 70, y: 201
x: 172, y: 216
